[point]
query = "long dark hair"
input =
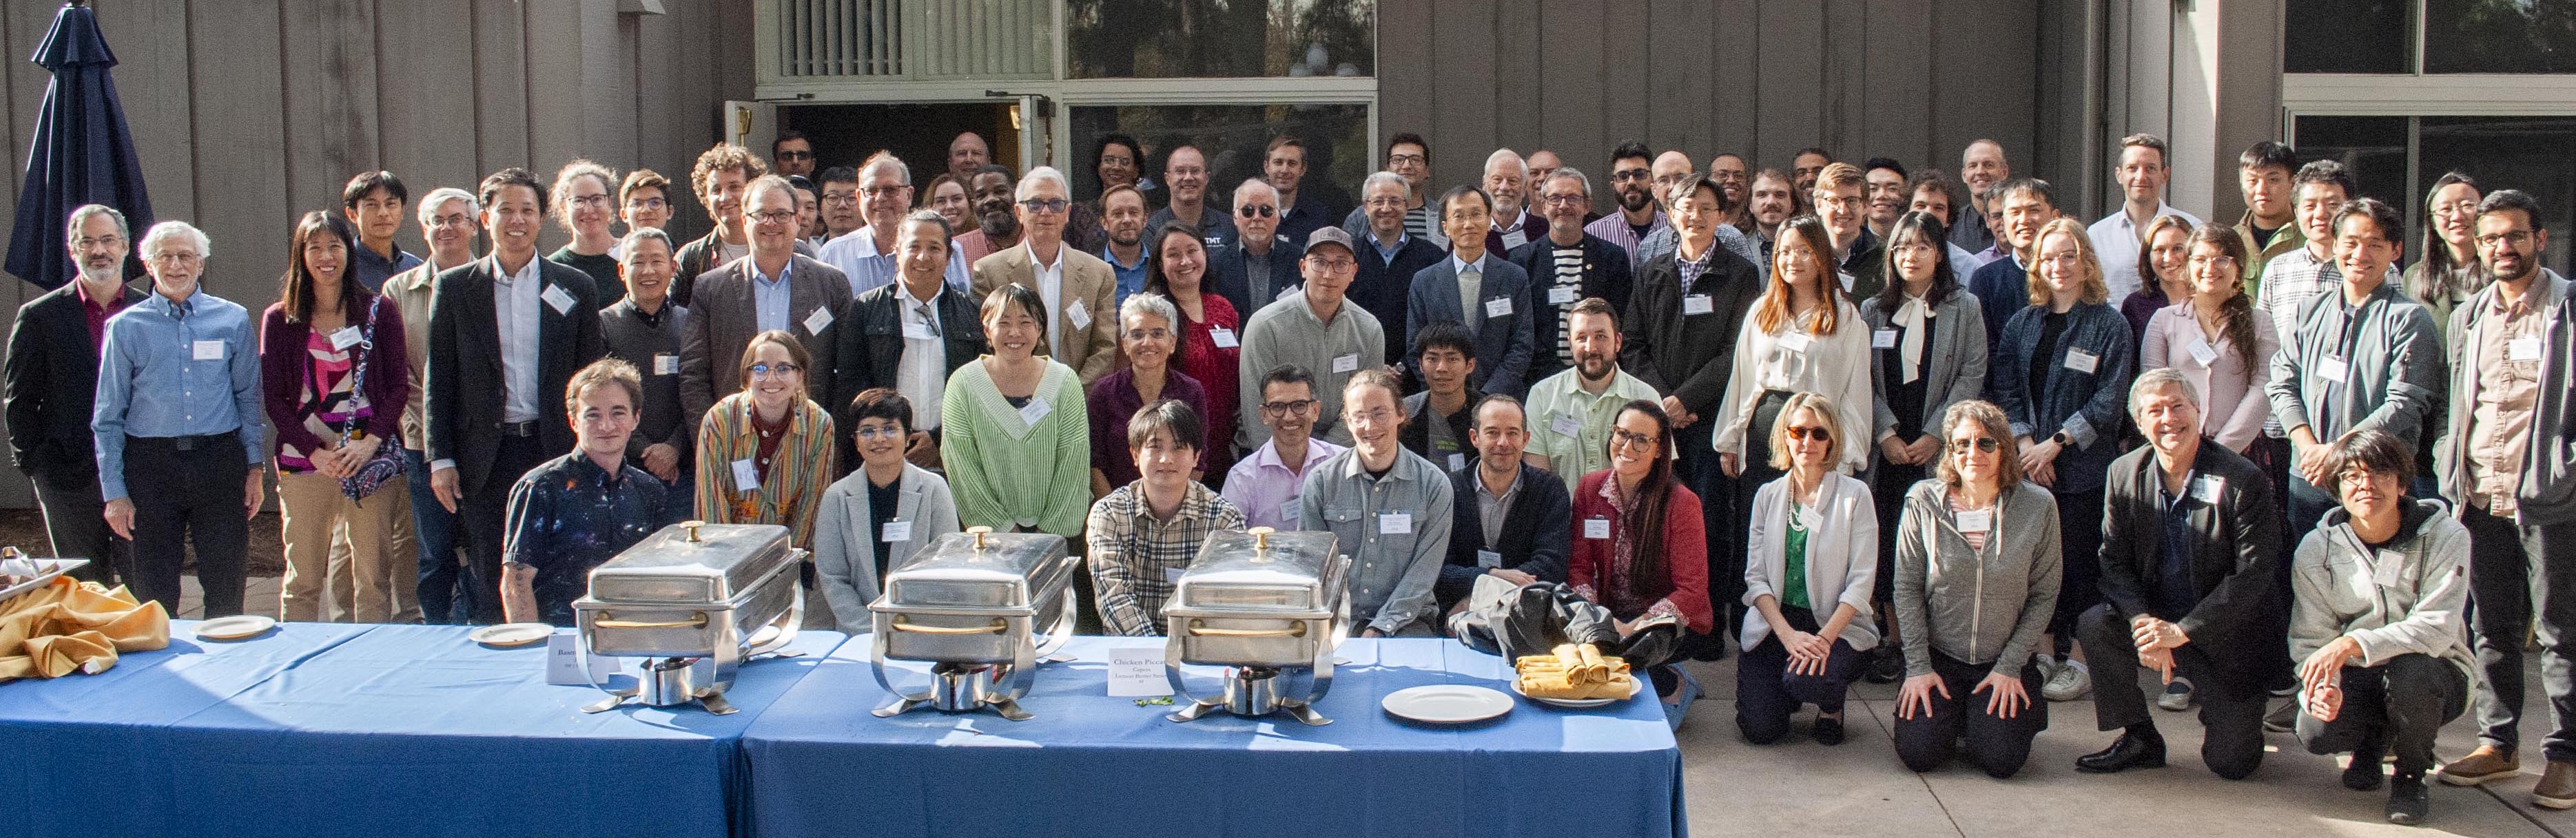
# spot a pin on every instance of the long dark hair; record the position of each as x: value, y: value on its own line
x: 2236, y: 316
x: 1154, y: 281
x: 295, y: 289
x: 2438, y: 277
x: 1945, y: 279
x: 1644, y: 520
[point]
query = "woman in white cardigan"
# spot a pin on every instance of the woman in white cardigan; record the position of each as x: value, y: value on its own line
x: 1808, y: 580
x: 874, y: 519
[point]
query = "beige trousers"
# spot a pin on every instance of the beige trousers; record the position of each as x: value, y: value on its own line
x: 315, y: 514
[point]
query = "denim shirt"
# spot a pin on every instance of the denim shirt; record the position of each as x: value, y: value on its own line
x: 152, y: 383
x: 1395, y: 529
x: 2088, y: 406
x: 567, y: 517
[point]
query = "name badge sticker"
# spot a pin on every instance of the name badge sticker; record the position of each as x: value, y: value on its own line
x: 2082, y: 361
x: 1395, y: 523
x: 1882, y: 339
x: 1596, y: 528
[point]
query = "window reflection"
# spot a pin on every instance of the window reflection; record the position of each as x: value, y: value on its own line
x: 1220, y: 38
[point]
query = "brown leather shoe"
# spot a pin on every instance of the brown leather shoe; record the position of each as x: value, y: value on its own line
x: 2485, y: 765
x: 2557, y: 789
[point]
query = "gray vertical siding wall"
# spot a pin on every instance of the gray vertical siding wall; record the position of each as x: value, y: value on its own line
x: 248, y: 112
x: 1910, y: 79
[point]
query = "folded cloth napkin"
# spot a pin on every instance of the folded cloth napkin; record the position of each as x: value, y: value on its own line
x: 71, y: 626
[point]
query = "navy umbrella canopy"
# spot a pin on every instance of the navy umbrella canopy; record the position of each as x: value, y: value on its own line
x: 83, y: 152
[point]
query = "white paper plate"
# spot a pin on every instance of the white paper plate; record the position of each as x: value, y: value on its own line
x: 1447, y: 703
x: 1636, y: 686
x: 507, y: 635
x: 236, y: 627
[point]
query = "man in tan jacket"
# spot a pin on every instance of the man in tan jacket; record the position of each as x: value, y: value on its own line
x: 1079, y: 289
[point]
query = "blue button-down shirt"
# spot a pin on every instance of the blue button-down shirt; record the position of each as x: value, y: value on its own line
x: 1131, y: 278
x: 769, y: 297
x: 153, y: 383
x: 372, y: 270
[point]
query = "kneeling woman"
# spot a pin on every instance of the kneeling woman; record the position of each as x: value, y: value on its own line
x: 1641, y: 549
x: 1977, y: 567
x: 2382, y: 594
x: 1814, y: 545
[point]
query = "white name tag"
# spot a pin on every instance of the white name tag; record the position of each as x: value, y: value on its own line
x: 1698, y: 304
x: 1596, y: 528
x: 1394, y: 523
x: 2082, y: 361
x: 1882, y: 339
x: 346, y: 337
x: 665, y: 363
x: 746, y: 476
x: 1036, y: 410
x: 1137, y: 672
x: 1457, y: 461
x: 1346, y: 363
x: 2522, y: 349
x: 1488, y: 559
x: 1798, y: 342
x: 1288, y: 512
x: 1565, y: 425
x: 1498, y: 307
x: 1078, y: 315
x: 895, y: 531
x: 2202, y: 353
x: 1977, y: 520
x: 565, y: 659
x: 1223, y: 338
x: 2332, y: 369
x: 818, y: 321
x: 209, y: 350
x: 2386, y: 568
x: 918, y: 331
x: 1562, y: 295
x: 2206, y: 488
x: 555, y: 296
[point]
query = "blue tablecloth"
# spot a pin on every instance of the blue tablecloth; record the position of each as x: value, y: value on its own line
x: 94, y: 746
x: 1089, y: 764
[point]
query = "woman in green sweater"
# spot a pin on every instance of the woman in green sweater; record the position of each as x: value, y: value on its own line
x: 1017, y: 439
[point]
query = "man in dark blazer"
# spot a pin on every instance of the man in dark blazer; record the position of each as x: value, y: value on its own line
x: 2190, y: 537
x: 1390, y: 256
x: 884, y: 324
x: 496, y: 386
x: 1600, y: 269
x: 1257, y: 245
x: 726, y: 311
x: 52, y: 381
x: 1529, y: 538
x: 1500, y: 314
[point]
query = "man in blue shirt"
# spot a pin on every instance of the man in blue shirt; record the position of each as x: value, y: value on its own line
x: 1122, y: 216
x: 575, y: 512
x: 177, y: 423
x: 2003, y: 285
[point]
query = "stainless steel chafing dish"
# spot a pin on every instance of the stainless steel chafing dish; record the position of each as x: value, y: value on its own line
x: 695, y: 600
x: 983, y: 608
x: 1270, y: 607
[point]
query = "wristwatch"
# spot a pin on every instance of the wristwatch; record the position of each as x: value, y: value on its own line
x: 2061, y: 439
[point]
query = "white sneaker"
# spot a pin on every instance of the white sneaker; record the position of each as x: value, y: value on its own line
x: 2071, y: 681
x: 2177, y: 695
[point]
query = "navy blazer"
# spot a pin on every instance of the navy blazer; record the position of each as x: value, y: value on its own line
x: 2003, y: 290
x: 1226, y: 277
x: 1605, y: 275
x: 1536, y: 538
x: 1503, y: 344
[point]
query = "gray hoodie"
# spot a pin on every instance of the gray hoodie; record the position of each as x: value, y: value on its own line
x: 2417, y: 604
x: 1981, y: 607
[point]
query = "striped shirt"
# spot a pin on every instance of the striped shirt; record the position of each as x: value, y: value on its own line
x: 1136, y: 558
x: 788, y: 489
x: 1569, y: 277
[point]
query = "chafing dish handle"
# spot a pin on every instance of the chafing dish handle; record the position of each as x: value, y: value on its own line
x: 997, y: 627
x: 698, y: 621
x: 1198, y: 628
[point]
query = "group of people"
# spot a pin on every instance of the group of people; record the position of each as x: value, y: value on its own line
x: 1875, y: 422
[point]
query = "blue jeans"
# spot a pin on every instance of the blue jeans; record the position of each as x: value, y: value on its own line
x: 442, y: 599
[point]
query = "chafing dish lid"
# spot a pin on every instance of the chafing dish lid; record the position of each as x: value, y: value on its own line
x: 978, y: 569
x: 692, y: 563
x: 1259, y: 571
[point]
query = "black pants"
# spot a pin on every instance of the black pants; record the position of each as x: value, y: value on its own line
x: 1960, y: 725
x: 2509, y: 582
x: 1753, y: 470
x: 187, y: 491
x: 479, y: 522
x: 2079, y: 537
x: 2399, y: 705
x: 1767, y: 693
x: 2231, y: 703
x: 2308, y: 505
x: 1888, y: 486
x: 1699, y: 468
x: 76, y: 525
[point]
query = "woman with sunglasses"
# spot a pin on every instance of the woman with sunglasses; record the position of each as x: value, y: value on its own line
x: 878, y: 516
x: 1977, y: 566
x: 1808, y: 581
x: 2061, y: 372
x: 765, y: 454
x: 1018, y: 442
x: 1211, y: 334
x: 1928, y: 342
x: 1641, y: 547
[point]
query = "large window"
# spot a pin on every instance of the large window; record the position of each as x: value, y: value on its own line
x: 2450, y: 36
x: 2500, y: 152
x: 1232, y: 138
x: 2349, y: 36
x: 1170, y: 39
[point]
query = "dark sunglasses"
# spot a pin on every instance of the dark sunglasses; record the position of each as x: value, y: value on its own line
x: 1811, y: 433
x: 1984, y: 443
x: 1258, y: 211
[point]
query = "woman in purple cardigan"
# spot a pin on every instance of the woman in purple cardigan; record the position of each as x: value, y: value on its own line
x: 325, y: 334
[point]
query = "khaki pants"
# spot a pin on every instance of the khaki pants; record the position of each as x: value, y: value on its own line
x: 315, y: 512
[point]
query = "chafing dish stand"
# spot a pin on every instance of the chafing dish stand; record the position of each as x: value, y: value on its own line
x: 1270, y: 607
x: 694, y: 600
x: 970, y: 605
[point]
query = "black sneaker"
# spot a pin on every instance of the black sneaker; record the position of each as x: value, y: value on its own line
x: 2408, y: 803
x: 1828, y: 731
x: 1886, y: 664
x: 2364, y: 772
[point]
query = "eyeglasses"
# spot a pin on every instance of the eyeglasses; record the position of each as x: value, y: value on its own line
x: 590, y: 201
x: 796, y: 155
x: 1334, y: 266
x: 87, y: 242
x: 1624, y: 175
x: 1148, y: 334
x: 772, y: 216
x: 1406, y: 159
x: 1045, y: 205
x: 1563, y: 200
x: 1257, y: 210
x: 1385, y: 201
x: 2214, y: 261
x: 1811, y: 433
x: 1631, y: 439
x: 882, y: 191
x: 2515, y: 238
x: 647, y: 204
x: 842, y: 199
x: 870, y: 432
x: 764, y: 370
x: 1278, y: 409
x: 1986, y: 444
x: 1378, y: 415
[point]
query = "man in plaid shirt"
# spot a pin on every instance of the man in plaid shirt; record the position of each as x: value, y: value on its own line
x: 1142, y: 535
x: 2291, y: 279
